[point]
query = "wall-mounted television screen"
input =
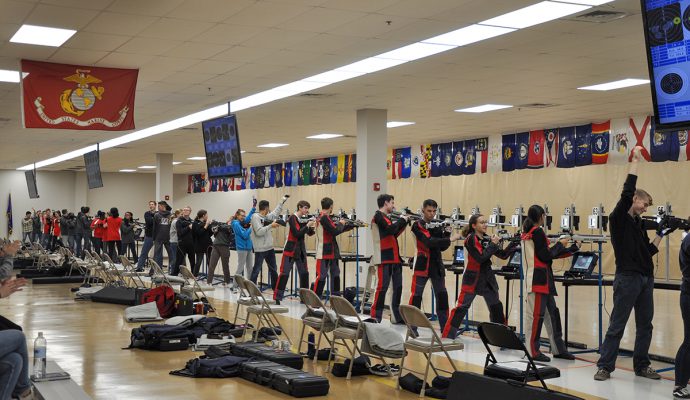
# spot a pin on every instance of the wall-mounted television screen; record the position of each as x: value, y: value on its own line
x: 31, y: 184
x: 92, y: 162
x: 222, y: 146
x: 667, y: 38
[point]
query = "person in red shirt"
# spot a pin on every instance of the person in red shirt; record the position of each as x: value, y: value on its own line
x: 97, y: 225
x: 56, y: 240
x: 47, y: 223
x: 112, y: 237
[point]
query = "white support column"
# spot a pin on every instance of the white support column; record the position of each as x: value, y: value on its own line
x: 81, y: 191
x: 371, y: 168
x: 164, y: 177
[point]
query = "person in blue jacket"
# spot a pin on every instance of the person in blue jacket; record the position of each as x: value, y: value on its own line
x: 243, y: 242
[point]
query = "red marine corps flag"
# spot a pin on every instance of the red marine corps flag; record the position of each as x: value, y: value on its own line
x: 63, y: 96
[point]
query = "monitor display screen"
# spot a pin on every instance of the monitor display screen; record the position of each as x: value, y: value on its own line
x: 583, y: 262
x: 515, y: 258
x: 458, y: 255
x: 667, y: 37
x: 31, y: 184
x: 222, y: 146
x: 92, y: 163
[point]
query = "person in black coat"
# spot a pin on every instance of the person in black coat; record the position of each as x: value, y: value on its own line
x: 185, y: 240
x: 203, y: 245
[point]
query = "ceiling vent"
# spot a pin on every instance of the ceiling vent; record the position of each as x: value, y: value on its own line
x: 316, y: 95
x: 599, y: 16
x: 537, y: 105
x: 4, y: 119
x: 79, y: 168
x: 189, y: 128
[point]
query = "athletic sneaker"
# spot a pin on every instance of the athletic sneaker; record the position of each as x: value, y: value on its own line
x: 649, y: 373
x: 541, y: 357
x: 681, y: 393
x: 379, y: 369
x: 602, y: 375
x: 395, y: 368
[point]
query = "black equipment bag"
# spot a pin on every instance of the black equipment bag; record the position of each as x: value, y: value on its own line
x: 411, y: 383
x: 251, y: 370
x: 299, y: 383
x: 49, y: 280
x: 6, y: 324
x: 223, y: 367
x: 162, y: 337
x: 219, y: 350
x: 263, y: 352
x: 360, y: 367
x: 118, y: 295
x: 468, y: 385
x: 183, y: 305
x: 350, y: 294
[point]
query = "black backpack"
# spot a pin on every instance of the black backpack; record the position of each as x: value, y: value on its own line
x: 223, y: 367
x: 162, y: 337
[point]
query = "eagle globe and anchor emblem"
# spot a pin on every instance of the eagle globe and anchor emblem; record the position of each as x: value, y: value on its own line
x: 79, y: 100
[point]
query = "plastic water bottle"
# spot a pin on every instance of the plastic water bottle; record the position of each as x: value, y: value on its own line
x: 40, y: 347
x: 311, y: 341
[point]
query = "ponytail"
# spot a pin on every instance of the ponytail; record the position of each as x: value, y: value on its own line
x: 534, y: 214
x: 467, y: 229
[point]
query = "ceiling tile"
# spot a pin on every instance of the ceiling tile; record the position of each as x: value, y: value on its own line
x: 188, y: 77
x: 228, y: 34
x: 26, y: 51
x: 196, y: 50
x: 209, y: 10
x: 119, y: 24
x: 96, y: 41
x: 267, y: 14
x: 320, y: 20
x: 213, y: 67
x: 366, y: 6
x: 124, y: 60
x: 148, y: 46
x: 175, y: 29
x: 14, y: 11
x: 243, y: 54
x: 152, y: 8
x: 60, y: 17
x: 7, y: 31
x: 90, y: 5
x: 273, y: 38
x: 372, y: 25
x: 74, y: 56
x: 169, y: 64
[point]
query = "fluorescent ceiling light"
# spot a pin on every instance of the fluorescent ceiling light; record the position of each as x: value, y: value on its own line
x: 325, y: 136
x: 587, y: 2
x: 468, y: 34
x: 273, y: 145
x: 535, y: 14
x: 9, y: 76
x: 415, y: 51
x: 128, y: 170
x: 147, y: 167
x: 395, y: 124
x: 623, y: 83
x: 42, y: 35
x: 57, y: 159
x: 371, y: 64
x: 177, y: 162
x: 484, y: 108
x: 196, y: 158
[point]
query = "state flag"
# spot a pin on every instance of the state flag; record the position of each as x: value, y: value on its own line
x: 600, y: 142
x: 458, y: 158
x: 470, y: 164
x: 436, y: 160
x: 535, y: 159
x: 566, y: 148
x: 495, y: 156
x: 508, y: 152
x: 551, y: 150
x: 522, y: 150
x: 583, y: 138
x: 621, y: 141
x: 341, y: 168
x: 482, y: 150
x: 642, y: 127
x: 334, y: 169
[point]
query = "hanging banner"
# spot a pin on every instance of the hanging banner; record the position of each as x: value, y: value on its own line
x: 65, y: 96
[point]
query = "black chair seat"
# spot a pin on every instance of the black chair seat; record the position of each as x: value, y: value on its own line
x: 515, y: 370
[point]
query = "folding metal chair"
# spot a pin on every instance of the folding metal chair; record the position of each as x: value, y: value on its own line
x: 264, y: 311
x: 414, y: 318
x: 323, y: 323
x: 191, y: 281
x: 502, y: 336
x: 244, y: 299
x: 131, y: 272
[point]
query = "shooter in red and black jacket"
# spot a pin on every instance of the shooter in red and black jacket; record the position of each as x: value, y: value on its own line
x: 386, y: 256
x: 295, y: 250
x: 429, y: 263
x: 478, y: 278
x: 537, y: 257
x: 327, y: 251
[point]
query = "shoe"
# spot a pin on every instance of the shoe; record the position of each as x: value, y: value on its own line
x: 602, y: 375
x: 564, y: 356
x: 681, y: 393
x: 395, y: 368
x: 379, y: 369
x: 277, y: 302
x: 649, y: 373
x: 541, y: 357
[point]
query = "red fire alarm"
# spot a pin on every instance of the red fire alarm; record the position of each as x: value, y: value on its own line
x: 167, y: 197
x: 377, y: 187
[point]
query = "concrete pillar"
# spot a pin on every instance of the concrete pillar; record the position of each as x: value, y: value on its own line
x: 371, y: 168
x: 164, y: 177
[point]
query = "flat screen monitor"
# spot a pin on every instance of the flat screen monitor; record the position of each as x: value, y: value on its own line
x: 584, y: 262
x: 222, y: 146
x: 31, y: 184
x: 515, y: 259
x: 667, y: 38
x: 458, y: 255
x: 92, y: 162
